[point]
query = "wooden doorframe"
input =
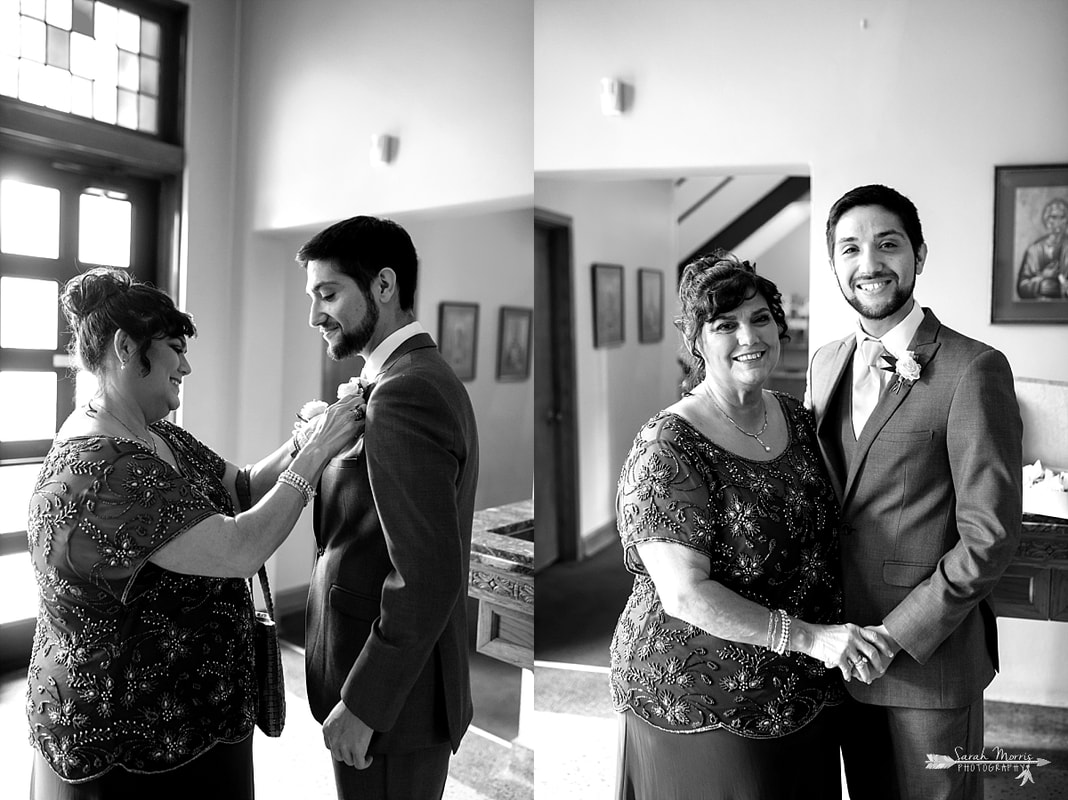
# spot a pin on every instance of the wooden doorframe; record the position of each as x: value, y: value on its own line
x: 565, y: 389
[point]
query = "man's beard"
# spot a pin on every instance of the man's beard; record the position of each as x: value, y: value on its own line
x: 884, y: 309
x: 354, y: 341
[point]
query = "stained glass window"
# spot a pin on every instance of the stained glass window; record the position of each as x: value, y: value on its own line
x: 82, y: 57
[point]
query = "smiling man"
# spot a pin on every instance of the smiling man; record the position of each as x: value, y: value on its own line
x: 921, y: 433
x: 386, y: 639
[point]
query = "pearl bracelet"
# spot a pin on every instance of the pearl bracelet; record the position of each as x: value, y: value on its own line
x: 784, y: 635
x: 298, y: 482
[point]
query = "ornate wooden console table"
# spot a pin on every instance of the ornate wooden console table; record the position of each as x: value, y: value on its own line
x: 1035, y: 586
x: 502, y: 580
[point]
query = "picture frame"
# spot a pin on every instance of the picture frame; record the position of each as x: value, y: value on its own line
x: 650, y: 305
x: 458, y: 337
x: 1030, y: 272
x: 607, y: 305
x: 513, y: 343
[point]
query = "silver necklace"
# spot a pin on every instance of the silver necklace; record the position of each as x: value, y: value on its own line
x: 150, y: 443
x: 730, y: 419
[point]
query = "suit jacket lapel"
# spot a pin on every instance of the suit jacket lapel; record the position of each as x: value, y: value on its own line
x: 822, y: 394
x: 924, y: 347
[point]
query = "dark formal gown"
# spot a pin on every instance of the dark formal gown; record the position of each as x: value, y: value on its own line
x: 704, y: 717
x: 141, y: 680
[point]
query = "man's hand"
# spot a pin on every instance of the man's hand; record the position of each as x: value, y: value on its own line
x: 347, y: 737
x: 888, y: 647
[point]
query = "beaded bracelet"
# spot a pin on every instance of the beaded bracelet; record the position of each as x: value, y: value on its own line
x: 298, y: 482
x: 771, y: 629
x: 784, y: 635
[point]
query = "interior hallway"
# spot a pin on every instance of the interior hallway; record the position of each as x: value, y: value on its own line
x: 576, y: 728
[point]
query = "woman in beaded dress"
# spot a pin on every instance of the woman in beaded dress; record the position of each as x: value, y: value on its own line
x: 725, y: 660
x: 141, y: 680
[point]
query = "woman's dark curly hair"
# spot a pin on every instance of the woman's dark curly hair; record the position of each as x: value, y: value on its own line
x: 712, y: 285
x: 103, y: 300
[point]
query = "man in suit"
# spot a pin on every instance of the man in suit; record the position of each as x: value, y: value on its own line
x: 923, y: 445
x: 386, y: 640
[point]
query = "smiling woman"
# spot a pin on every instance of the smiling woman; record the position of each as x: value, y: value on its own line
x: 140, y: 554
x: 730, y: 525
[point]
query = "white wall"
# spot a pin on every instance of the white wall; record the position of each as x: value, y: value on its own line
x: 619, y: 388
x: 926, y: 97
x: 451, y: 80
x: 283, y: 99
x: 209, y: 404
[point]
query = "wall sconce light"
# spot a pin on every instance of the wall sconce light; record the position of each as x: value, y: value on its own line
x: 611, y: 97
x: 383, y: 148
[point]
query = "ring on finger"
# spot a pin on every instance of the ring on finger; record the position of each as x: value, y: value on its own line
x: 359, y: 412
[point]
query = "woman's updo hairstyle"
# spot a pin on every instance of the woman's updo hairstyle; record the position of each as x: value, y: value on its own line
x: 103, y: 300
x: 712, y: 285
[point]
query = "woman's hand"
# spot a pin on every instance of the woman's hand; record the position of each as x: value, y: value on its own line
x: 850, y: 648
x: 339, y: 426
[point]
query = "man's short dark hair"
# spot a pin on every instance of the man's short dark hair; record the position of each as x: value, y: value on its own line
x: 877, y: 195
x: 361, y: 247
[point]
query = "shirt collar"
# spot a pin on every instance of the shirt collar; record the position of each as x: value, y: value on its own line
x: 376, y: 362
x: 898, y: 338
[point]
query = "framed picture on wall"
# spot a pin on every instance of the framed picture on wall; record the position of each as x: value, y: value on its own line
x: 1030, y: 244
x: 513, y: 343
x: 650, y: 305
x: 458, y: 337
x: 607, y: 305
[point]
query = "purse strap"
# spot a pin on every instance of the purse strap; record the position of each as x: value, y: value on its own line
x: 243, y: 487
x: 265, y: 587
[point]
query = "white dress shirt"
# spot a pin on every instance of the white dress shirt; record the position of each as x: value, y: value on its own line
x: 896, y: 341
x: 376, y: 362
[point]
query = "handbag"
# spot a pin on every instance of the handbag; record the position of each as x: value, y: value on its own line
x: 270, y: 683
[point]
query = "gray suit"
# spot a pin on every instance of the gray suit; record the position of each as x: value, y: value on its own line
x: 387, y: 607
x: 931, y: 495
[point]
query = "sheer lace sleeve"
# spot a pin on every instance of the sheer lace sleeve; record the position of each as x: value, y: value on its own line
x: 109, y: 505
x: 663, y: 495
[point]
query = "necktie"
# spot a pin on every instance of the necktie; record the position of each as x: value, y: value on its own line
x: 867, y: 383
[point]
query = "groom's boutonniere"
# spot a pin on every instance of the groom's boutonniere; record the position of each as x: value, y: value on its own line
x: 906, y: 369
x: 313, y: 408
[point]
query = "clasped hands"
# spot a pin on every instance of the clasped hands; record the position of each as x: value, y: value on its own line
x: 859, y: 652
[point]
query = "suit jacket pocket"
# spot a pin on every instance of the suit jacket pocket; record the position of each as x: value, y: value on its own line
x: 355, y: 605
x: 904, y: 573
x: 905, y: 437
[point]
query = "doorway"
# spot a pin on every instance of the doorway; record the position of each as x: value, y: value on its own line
x: 556, y: 500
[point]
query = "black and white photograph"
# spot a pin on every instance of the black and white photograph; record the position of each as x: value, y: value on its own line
x: 533, y: 399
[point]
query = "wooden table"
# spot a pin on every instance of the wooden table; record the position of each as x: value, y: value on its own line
x: 502, y: 580
x: 1035, y: 586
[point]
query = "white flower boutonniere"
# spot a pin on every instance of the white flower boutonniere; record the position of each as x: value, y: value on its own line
x: 354, y: 386
x: 309, y: 411
x: 906, y: 369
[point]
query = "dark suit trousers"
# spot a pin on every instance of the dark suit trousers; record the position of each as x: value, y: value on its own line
x: 418, y: 775
x: 885, y: 749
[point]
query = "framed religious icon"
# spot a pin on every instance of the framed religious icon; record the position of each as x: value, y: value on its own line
x: 1030, y: 281
x: 607, y: 305
x: 458, y: 337
x: 650, y: 305
x: 513, y: 343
